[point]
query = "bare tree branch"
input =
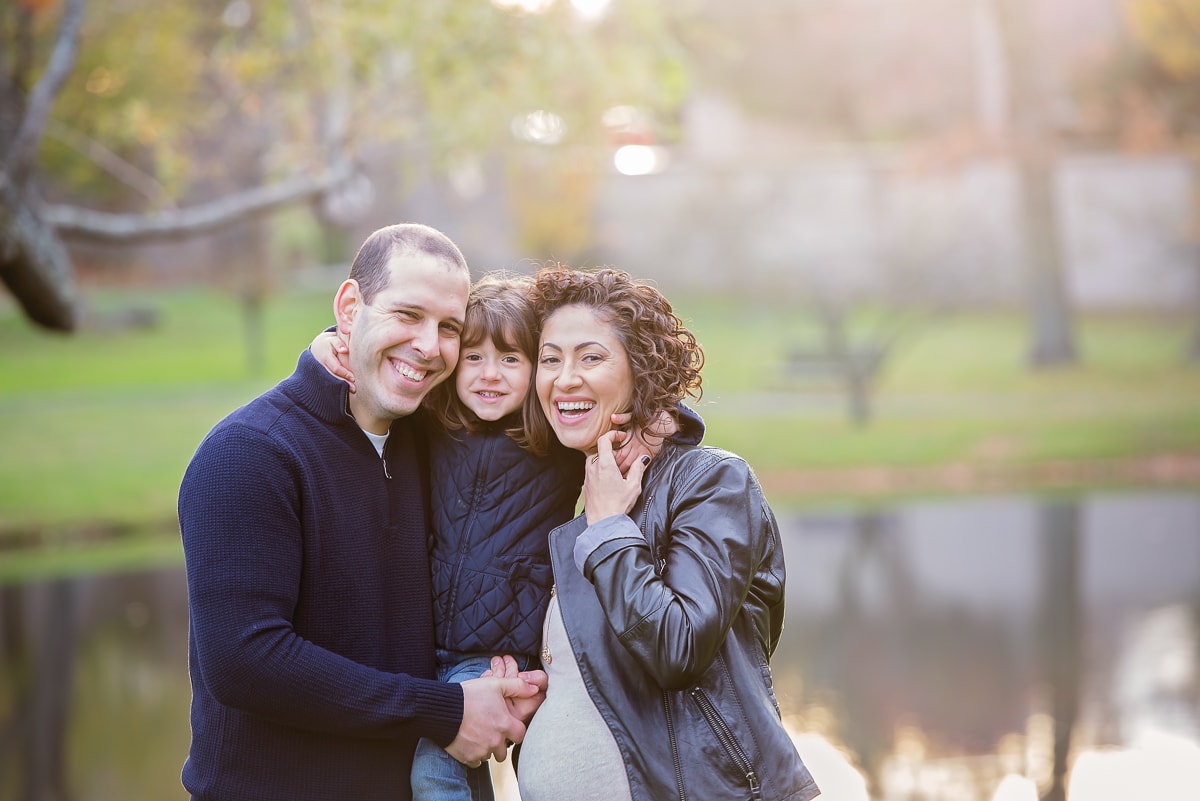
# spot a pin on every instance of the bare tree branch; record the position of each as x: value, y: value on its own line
x: 21, y: 154
x: 72, y: 221
x: 138, y: 180
x: 34, y: 265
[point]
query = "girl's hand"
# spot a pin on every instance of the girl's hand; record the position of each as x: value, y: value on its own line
x: 606, y: 492
x: 332, y: 353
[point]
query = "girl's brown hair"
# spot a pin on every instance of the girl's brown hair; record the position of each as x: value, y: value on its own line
x: 498, y: 309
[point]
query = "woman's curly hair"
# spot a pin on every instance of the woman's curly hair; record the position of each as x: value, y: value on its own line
x: 664, y: 355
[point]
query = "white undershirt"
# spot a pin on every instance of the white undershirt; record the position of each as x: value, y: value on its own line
x: 377, y: 440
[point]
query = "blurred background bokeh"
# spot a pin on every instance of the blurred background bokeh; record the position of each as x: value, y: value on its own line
x: 943, y: 255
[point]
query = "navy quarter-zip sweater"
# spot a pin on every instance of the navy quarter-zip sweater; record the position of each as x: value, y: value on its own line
x: 311, y: 645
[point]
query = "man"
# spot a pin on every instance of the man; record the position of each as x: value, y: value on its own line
x: 303, y: 517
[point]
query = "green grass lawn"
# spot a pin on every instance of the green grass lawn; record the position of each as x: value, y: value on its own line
x: 96, y: 428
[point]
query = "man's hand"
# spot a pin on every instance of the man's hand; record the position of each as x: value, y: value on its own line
x: 522, y: 708
x: 490, y: 718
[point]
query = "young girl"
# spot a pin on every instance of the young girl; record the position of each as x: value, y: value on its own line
x: 493, y: 505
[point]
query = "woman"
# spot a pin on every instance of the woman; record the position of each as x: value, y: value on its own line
x: 669, y: 589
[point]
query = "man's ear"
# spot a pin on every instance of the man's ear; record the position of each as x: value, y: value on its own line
x: 346, y: 305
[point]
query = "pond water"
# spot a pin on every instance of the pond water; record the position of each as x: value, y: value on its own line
x: 997, y: 648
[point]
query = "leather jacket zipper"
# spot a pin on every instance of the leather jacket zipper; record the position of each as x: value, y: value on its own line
x: 728, y: 741
x: 659, y: 549
x: 666, y: 696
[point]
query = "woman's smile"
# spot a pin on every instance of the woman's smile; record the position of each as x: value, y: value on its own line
x: 583, y: 376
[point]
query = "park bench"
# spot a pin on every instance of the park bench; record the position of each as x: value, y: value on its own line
x: 852, y: 365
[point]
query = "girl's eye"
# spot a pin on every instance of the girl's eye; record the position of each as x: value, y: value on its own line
x: 472, y: 357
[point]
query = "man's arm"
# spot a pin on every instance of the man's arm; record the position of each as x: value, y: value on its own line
x: 239, y: 504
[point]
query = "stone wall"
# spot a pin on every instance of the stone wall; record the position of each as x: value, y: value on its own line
x: 856, y: 227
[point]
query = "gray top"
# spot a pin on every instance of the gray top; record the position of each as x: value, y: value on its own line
x: 568, y: 752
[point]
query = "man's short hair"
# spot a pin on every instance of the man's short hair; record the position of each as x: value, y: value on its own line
x: 370, y: 267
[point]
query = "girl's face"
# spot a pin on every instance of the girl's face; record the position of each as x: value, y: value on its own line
x: 583, y: 376
x: 492, y: 382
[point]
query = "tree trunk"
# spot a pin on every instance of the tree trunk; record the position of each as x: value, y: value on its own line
x: 1050, y: 316
x: 34, y: 264
x: 1052, y: 341
x: 1193, y: 348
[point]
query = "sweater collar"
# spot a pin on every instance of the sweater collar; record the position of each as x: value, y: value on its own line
x: 317, y: 390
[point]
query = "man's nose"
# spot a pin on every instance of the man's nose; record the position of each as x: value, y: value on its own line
x: 427, y: 341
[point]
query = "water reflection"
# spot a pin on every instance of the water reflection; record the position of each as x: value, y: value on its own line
x: 999, y: 649
x: 94, y: 689
x: 948, y: 646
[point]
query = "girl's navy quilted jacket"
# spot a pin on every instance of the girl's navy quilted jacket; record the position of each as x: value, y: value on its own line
x: 494, y: 505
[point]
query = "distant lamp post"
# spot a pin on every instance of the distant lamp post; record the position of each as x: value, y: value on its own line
x: 590, y: 10
x: 541, y: 127
x: 528, y: 6
x: 640, y: 159
x: 632, y: 131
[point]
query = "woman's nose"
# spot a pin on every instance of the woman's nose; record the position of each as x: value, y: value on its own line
x: 567, y: 377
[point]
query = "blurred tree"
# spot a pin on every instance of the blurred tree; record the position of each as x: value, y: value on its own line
x: 1034, y: 147
x: 909, y: 77
x: 148, y: 120
x: 1157, y: 97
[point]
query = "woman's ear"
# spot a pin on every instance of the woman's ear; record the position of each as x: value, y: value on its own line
x: 346, y: 305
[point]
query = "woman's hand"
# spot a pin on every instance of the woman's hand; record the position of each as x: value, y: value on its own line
x: 332, y: 353
x: 606, y: 492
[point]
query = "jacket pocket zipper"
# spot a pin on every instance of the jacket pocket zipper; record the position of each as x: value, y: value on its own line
x: 728, y: 742
x: 666, y: 697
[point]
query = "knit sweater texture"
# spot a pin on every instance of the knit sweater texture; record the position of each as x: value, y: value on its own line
x: 311, y: 645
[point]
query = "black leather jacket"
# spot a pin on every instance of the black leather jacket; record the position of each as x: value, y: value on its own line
x: 673, y: 622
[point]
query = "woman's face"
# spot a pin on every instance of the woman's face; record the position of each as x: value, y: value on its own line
x: 583, y: 376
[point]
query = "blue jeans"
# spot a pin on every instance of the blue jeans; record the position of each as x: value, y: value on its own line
x: 437, y: 776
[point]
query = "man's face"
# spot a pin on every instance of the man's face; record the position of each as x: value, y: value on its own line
x: 405, y: 342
